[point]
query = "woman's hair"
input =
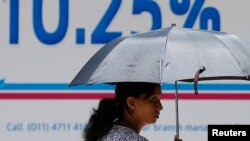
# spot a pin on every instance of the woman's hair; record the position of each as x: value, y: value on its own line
x: 110, y: 110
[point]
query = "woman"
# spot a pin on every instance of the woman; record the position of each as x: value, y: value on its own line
x: 135, y: 105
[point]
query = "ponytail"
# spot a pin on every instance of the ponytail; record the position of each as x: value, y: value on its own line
x: 102, y: 120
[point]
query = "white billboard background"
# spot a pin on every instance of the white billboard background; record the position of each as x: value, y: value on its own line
x: 32, y: 62
x: 63, y: 120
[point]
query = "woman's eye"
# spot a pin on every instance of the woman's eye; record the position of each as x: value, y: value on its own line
x: 154, y: 100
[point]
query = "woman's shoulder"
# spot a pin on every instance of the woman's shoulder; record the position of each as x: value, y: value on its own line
x: 121, y: 133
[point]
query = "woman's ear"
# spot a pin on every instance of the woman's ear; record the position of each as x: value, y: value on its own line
x: 131, y: 103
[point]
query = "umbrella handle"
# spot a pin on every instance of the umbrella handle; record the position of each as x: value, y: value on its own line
x: 177, y: 110
x: 196, y: 79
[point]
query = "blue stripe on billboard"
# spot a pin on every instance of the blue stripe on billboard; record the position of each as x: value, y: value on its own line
x: 169, y: 86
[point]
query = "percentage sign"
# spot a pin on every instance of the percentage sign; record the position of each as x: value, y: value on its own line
x: 206, y: 14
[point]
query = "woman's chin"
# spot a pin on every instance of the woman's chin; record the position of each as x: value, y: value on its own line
x: 153, y: 120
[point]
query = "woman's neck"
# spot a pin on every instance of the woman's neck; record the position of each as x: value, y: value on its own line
x: 130, y: 122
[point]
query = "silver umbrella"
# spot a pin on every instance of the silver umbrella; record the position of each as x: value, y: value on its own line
x: 169, y: 55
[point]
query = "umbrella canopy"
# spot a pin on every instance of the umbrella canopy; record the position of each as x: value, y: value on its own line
x: 168, y: 55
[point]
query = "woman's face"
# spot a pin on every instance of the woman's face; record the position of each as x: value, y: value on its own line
x: 147, y: 111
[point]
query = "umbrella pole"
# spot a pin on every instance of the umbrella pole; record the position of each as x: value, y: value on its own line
x: 176, y: 110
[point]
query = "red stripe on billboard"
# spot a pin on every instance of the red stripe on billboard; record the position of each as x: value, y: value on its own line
x: 65, y: 96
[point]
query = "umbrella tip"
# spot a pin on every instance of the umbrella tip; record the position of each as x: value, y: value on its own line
x: 173, y: 24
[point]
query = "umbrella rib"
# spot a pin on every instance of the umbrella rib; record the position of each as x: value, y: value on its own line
x: 93, y: 63
x: 239, y: 64
x: 162, y: 63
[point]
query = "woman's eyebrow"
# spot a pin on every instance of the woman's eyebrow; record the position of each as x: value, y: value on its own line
x: 157, y: 96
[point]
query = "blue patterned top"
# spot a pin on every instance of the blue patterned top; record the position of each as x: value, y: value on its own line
x: 122, y: 133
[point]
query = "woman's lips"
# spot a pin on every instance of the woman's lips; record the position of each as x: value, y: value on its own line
x: 156, y: 115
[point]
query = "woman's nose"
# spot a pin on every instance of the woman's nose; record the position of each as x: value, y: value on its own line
x: 159, y: 106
